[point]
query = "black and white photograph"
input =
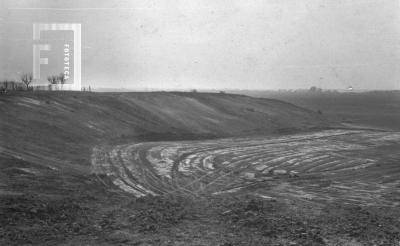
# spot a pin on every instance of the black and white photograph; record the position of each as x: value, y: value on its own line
x: 200, y: 122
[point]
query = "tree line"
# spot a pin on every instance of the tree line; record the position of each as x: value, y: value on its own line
x: 26, y: 80
x: 57, y: 79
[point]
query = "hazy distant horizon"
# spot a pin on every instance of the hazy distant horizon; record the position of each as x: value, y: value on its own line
x: 254, y: 45
x: 228, y: 90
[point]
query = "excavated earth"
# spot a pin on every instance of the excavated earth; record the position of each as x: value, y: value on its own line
x: 191, y: 169
x: 351, y: 166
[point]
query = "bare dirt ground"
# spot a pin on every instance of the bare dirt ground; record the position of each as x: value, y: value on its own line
x: 350, y: 166
x: 190, y: 169
x: 333, y: 187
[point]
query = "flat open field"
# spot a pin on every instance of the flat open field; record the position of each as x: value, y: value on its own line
x: 378, y: 109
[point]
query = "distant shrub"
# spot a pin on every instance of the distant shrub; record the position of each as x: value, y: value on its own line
x: 315, y: 89
x: 10, y: 85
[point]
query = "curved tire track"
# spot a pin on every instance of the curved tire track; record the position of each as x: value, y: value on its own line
x: 298, y: 166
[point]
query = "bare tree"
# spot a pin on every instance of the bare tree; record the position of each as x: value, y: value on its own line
x: 53, y: 79
x: 62, y: 79
x: 27, y: 79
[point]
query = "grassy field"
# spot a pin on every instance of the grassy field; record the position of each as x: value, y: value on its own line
x: 80, y: 168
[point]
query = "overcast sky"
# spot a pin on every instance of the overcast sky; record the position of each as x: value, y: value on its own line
x: 246, y: 44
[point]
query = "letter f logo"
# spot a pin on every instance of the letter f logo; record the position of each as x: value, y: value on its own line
x: 37, y: 48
